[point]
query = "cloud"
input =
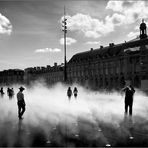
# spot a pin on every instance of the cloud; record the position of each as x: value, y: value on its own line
x: 116, y: 19
x: 133, y: 34
x: 137, y: 27
x: 115, y: 5
x: 69, y: 41
x: 46, y: 50
x: 131, y: 10
x: 124, y: 12
x: 92, y: 42
x: 5, y: 25
x: 92, y: 34
x: 90, y: 27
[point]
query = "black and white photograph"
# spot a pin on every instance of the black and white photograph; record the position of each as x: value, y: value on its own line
x: 73, y: 73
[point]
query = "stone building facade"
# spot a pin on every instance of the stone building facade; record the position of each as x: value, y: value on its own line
x: 50, y: 75
x: 112, y: 66
x: 11, y: 76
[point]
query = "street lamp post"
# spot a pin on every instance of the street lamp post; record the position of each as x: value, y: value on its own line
x: 65, y: 31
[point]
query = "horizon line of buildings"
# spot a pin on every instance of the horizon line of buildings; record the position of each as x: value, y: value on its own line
x: 106, y: 67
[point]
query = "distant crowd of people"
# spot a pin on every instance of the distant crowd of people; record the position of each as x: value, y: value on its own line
x: 129, y: 93
x: 10, y: 92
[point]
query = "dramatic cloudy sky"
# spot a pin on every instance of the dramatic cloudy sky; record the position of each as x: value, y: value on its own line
x: 30, y: 30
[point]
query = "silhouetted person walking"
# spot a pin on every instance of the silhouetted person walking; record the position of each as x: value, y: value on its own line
x: 129, y: 92
x: 75, y: 92
x: 8, y: 90
x: 21, y: 102
x: 2, y: 92
x: 69, y: 93
x: 10, y: 93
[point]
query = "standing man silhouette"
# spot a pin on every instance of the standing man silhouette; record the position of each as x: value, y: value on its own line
x: 21, y: 102
x: 129, y: 92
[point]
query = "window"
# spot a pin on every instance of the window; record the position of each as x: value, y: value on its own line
x: 106, y: 71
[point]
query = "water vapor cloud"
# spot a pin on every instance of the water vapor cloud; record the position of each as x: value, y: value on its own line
x: 48, y: 112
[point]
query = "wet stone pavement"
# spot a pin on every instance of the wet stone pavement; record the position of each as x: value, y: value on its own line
x: 81, y: 134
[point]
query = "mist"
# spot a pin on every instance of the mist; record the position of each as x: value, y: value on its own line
x: 49, y: 108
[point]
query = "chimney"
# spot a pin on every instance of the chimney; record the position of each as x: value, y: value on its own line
x: 101, y: 47
x: 111, y: 44
x: 55, y: 64
x: 48, y: 66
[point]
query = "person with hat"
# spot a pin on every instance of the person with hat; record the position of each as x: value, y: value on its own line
x: 21, y: 102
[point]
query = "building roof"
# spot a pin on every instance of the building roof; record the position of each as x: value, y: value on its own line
x: 39, y: 70
x: 109, y: 51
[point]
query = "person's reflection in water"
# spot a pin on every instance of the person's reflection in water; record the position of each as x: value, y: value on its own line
x: 20, y: 126
x: 19, y: 134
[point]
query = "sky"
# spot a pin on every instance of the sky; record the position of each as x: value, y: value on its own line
x: 31, y: 30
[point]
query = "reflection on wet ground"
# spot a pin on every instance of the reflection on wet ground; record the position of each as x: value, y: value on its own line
x: 83, y: 133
